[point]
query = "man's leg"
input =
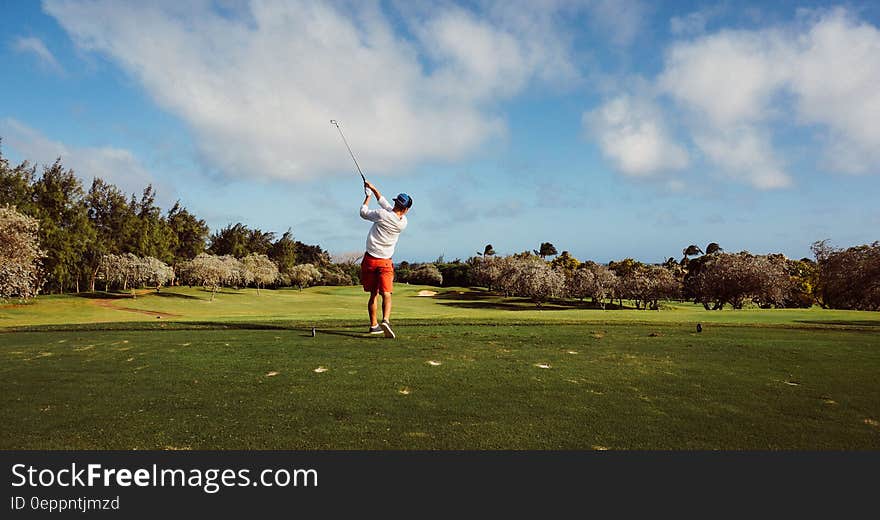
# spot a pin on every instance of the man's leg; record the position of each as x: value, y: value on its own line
x: 386, y: 315
x: 386, y: 285
x: 386, y: 306
x: 372, y: 307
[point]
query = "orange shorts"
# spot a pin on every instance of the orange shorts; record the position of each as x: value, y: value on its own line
x: 377, y: 274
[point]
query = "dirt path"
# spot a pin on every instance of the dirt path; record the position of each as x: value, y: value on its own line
x: 108, y: 304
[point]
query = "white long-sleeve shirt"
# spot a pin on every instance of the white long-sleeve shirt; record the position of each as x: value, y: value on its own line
x: 385, y: 231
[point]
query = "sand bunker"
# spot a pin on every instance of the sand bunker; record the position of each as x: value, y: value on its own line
x: 271, y: 374
x: 427, y: 293
x: 542, y: 365
x: 434, y: 363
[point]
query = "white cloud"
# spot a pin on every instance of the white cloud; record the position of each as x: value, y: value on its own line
x: 631, y: 133
x: 115, y: 165
x: 837, y: 83
x: 258, y: 90
x: 729, y: 76
x: 478, y: 62
x: 745, y: 153
x: 545, y: 33
x: 736, y: 90
x: 35, y: 46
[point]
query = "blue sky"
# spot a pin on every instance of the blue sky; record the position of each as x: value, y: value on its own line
x: 609, y: 128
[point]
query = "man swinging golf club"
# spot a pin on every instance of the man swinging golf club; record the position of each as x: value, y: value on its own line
x: 377, y: 270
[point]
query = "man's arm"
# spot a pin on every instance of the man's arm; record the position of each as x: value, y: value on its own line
x: 379, y: 198
x: 369, y: 186
x: 366, y: 213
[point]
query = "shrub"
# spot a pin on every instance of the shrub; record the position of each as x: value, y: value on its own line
x: 426, y: 274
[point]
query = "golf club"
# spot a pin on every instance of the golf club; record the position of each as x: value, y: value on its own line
x: 336, y: 124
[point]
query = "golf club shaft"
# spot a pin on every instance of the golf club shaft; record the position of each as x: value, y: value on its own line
x: 336, y: 124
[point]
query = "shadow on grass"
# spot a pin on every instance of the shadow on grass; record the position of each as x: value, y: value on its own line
x: 104, y: 295
x: 177, y: 295
x: 126, y: 295
x: 850, y: 323
x: 226, y: 291
x: 342, y: 329
x: 483, y: 299
x: 169, y: 292
x: 349, y: 333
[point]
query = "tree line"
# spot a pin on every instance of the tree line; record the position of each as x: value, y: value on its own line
x: 836, y: 278
x: 60, y: 237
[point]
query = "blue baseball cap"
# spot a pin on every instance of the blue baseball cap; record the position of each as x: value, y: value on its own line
x: 403, y: 200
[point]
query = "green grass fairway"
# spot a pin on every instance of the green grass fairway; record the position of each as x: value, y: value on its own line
x: 470, y: 371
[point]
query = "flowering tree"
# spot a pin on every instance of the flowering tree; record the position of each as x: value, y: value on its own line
x: 848, y: 278
x: 605, y: 283
x: 304, y: 275
x: 156, y: 272
x: 262, y: 270
x: 130, y: 272
x: 647, y: 284
x: 530, y: 277
x: 524, y: 275
x: 210, y: 271
x: 486, y: 270
x: 125, y: 271
x: 507, y: 274
x: 591, y: 280
x: 579, y: 284
x: 234, y: 273
x: 728, y: 278
x: 20, y: 255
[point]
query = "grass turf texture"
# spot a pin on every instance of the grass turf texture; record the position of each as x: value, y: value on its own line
x: 96, y: 372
